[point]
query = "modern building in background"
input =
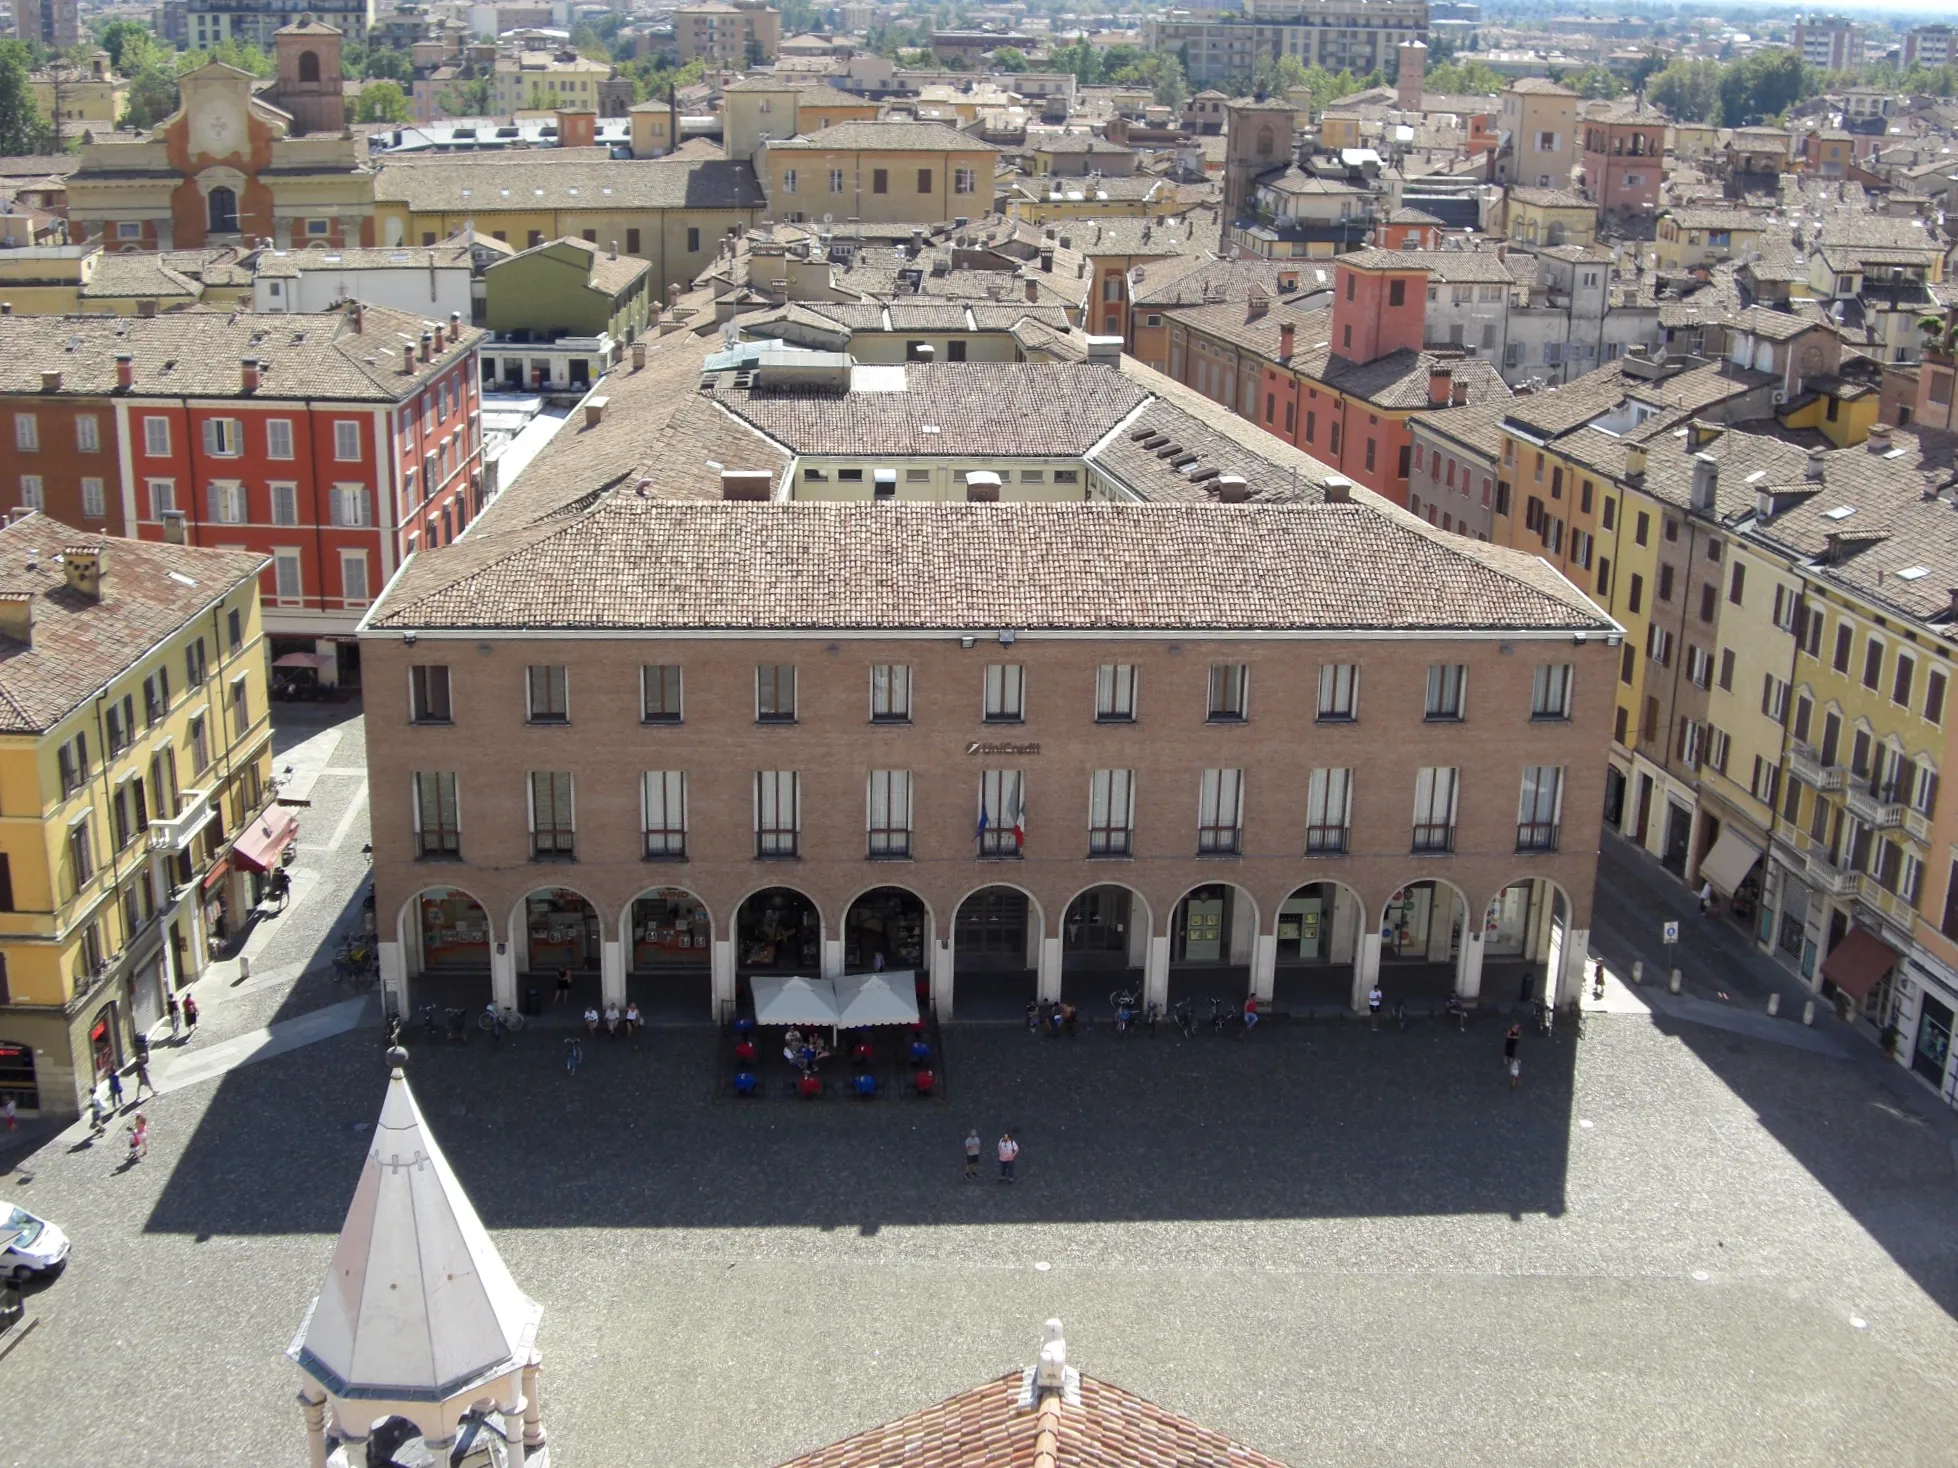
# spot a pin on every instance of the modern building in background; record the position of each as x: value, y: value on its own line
x: 727, y: 35
x: 207, y: 22
x: 1928, y: 46
x: 56, y: 24
x: 135, y: 759
x: 1340, y: 35
x: 1829, y: 41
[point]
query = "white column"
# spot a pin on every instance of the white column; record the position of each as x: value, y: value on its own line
x: 611, y: 974
x: 832, y: 956
x: 723, y: 975
x: 394, y: 974
x: 503, y: 975
x: 1468, y: 968
x: 312, y: 1403
x: 1049, y: 972
x: 1441, y: 923
x: 1570, y: 983
x: 1155, y: 971
x: 1343, y: 921
x: 1244, y: 928
x: 1264, y: 966
x: 1366, y: 969
x: 533, y: 1417
x: 941, y: 977
x: 513, y: 1432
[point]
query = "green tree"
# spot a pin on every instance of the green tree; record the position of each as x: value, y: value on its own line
x: 1160, y: 72
x: 1765, y: 85
x: 383, y: 102
x: 1459, y: 78
x: 115, y: 35
x: 1689, y: 90
x: 465, y: 97
x: 21, y: 129
x: 1081, y: 59
x: 1596, y: 82
x: 1275, y: 75
x: 1011, y: 58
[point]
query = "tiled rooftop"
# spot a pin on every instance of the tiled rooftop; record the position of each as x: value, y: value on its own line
x: 886, y: 137
x: 515, y: 181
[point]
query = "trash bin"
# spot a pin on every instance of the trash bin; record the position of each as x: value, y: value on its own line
x: 531, y: 1004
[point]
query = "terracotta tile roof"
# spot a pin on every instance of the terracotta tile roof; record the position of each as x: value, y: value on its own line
x: 1698, y: 218
x: 987, y: 1428
x: 289, y: 263
x: 886, y: 137
x: 963, y: 408
x: 1775, y: 326
x: 491, y: 182
x: 1475, y: 426
x: 1560, y: 409
x: 650, y: 564
x: 197, y: 353
x: 138, y: 275
x: 1539, y: 87
x: 1552, y: 198
x: 78, y: 644
x: 1699, y: 388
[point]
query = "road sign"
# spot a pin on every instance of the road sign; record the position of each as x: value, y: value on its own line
x: 1672, y: 932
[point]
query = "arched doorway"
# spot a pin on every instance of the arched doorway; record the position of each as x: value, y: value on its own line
x: 444, y: 935
x: 309, y: 66
x: 996, y: 953
x: 18, y: 1080
x: 888, y: 927
x: 778, y: 931
x: 669, y: 945
x: 556, y: 929
x: 1319, y: 927
x: 223, y: 211
x: 1421, y: 931
x: 1104, y: 944
x: 1211, y: 934
x: 1523, y: 936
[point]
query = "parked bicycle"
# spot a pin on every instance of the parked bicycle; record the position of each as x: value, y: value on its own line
x: 1152, y: 1015
x: 426, y: 1018
x: 1222, y: 1012
x: 498, y: 1021
x: 1123, y: 1001
x: 458, y: 1026
x: 1184, y: 1013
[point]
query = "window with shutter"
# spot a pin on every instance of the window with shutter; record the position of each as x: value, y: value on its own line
x: 665, y: 815
x: 1434, y: 808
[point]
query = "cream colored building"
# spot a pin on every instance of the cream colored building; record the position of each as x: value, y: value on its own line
x: 879, y: 172
x: 1539, y: 129
x: 84, y: 99
x: 720, y: 34
x: 541, y: 80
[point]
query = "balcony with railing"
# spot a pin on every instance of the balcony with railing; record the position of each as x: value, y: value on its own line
x: 172, y: 835
x: 1805, y: 764
x: 1433, y: 838
x: 1536, y: 836
x: 1825, y: 876
x: 1874, y: 804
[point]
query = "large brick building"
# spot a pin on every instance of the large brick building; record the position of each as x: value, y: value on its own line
x: 333, y: 443
x: 1166, y: 730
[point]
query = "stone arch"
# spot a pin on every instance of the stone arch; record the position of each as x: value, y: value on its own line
x: 1212, y: 930
x: 445, y: 938
x: 309, y: 66
x: 1423, y: 929
x: 880, y: 919
x: 1524, y: 930
x: 999, y: 951
x: 1316, y: 934
x: 777, y: 928
x: 556, y: 927
x: 1104, y: 936
x: 666, y: 946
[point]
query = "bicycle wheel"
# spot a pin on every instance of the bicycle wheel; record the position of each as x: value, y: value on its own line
x: 486, y: 1021
x: 512, y: 1020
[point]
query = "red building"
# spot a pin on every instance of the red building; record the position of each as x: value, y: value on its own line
x: 335, y: 444
x: 1624, y: 156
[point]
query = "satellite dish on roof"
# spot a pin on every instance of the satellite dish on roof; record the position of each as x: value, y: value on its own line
x: 829, y: 219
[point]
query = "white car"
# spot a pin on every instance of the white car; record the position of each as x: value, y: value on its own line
x: 29, y: 1245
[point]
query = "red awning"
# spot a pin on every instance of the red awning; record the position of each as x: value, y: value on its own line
x: 259, y: 844
x: 218, y: 873
x: 1858, y: 962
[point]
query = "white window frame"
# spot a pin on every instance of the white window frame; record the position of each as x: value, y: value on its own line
x: 1447, y: 697
x: 1227, y: 697
x: 224, y: 438
x: 1115, y: 693
x: 663, y: 814
x: 647, y: 672
x: 1005, y: 699
x: 285, y: 503
x: 887, y: 813
x: 454, y: 800
x: 346, y: 436
x: 554, y: 673
x: 890, y: 693
x: 1550, y: 692
x: 350, y: 506
x: 777, y: 794
x: 1339, y: 692
x: 351, y: 558
x: 1437, y: 790
x: 1220, y: 813
x: 1111, y: 813
x: 156, y: 437
x: 278, y: 438
x: 88, y: 433
x: 33, y: 492
x: 27, y: 432
x: 281, y: 591
x: 228, y: 502
x: 95, y: 498
x: 1328, y: 811
x: 566, y: 837
x: 1002, y: 796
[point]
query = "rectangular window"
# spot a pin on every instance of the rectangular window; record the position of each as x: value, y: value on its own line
x: 1115, y: 693
x: 72, y: 760
x: 229, y: 504
x: 1644, y: 528
x: 1766, y: 777
x: 1434, y: 808
x: 353, y: 576
x: 241, y: 709
x: 890, y: 693
x: 1709, y: 601
x: 81, y: 853
x: 285, y: 504
x: 286, y: 576
x: 1901, y: 683
x: 1447, y: 684
x: 836, y: 180
x: 659, y: 693
x: 1699, y: 666
x: 350, y: 505
x: 88, y: 433
x: 1845, y: 636
x: 156, y: 437
x: 553, y: 826
x: 438, y: 832
x: 1873, y: 665
x: 194, y: 664
x: 278, y: 438
x: 1737, y: 583
x: 1005, y: 693
x: 94, y: 502
x: 32, y: 496
x: 887, y: 813
x: 1329, y: 811
x: 663, y: 817
x: 1717, y: 744
x: 1774, y: 698
x: 1539, y: 807
x: 1229, y: 688
x: 1658, y: 645
x: 224, y: 438
x: 1339, y: 689
x: 788, y: 180
x: 156, y: 696
x: 964, y: 181
x: 1550, y: 692
x: 346, y: 440
x: 428, y: 693
x: 632, y: 242
x: 547, y: 693
x: 1002, y: 813
x: 693, y: 240
x: 1665, y: 583
x: 1636, y: 593
x: 1111, y: 813
x: 1220, y: 812
x: 775, y: 693
x: 1727, y: 669
x: 924, y: 180
x: 27, y: 432
x: 118, y: 725
x: 200, y: 746
x: 1934, y: 696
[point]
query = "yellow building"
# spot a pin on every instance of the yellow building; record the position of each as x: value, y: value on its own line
x: 766, y: 109
x: 1694, y: 235
x: 1549, y: 217
x: 62, y: 280
x: 879, y: 173
x: 546, y: 81
x: 91, y: 98
x: 673, y: 212
x: 134, y: 766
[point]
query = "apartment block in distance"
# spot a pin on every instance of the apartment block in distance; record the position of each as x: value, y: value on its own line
x: 331, y: 443
x: 723, y: 35
x: 135, y: 755
x: 1340, y: 35
x: 1830, y: 42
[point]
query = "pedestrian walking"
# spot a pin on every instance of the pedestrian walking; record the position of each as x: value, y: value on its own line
x: 1512, y: 1038
x: 573, y: 1055
x: 563, y: 986
x: 143, y: 1077
x: 115, y: 1090
x: 141, y: 1045
x: 98, y: 1115
x: 1009, y: 1152
x: 176, y: 1018
x: 1515, y: 1072
x: 972, y: 1155
x: 1458, y: 1011
x: 1706, y: 898
x: 139, y: 1137
x: 190, y: 1016
x: 8, y: 1111
x: 1373, y: 1005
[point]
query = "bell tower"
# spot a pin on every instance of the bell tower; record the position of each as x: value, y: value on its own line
x: 308, y: 57
x: 1259, y: 139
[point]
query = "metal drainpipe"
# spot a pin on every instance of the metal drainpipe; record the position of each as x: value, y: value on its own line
x: 108, y: 800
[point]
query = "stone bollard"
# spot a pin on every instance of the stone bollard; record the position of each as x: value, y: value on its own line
x: 244, y: 966
x: 1638, y: 971
x: 1674, y: 985
x: 1774, y: 1005
x: 1808, y: 1013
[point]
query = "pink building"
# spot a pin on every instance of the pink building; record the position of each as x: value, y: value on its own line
x: 1624, y: 157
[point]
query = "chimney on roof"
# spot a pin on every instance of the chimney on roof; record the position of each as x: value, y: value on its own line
x: 358, y: 315
x: 441, y: 339
x: 173, y: 527
x: 1441, y: 384
x: 455, y: 326
x: 1104, y: 351
x: 1033, y: 290
x: 1337, y: 488
x: 84, y: 567
x: 982, y: 487
x: 428, y: 344
x: 1287, y: 338
x: 51, y: 380
x: 1816, y: 462
x: 17, y: 616
x: 917, y: 243
x: 1879, y: 437
x: 615, y: 250
x: 1050, y: 1374
x: 1706, y: 479
x: 1047, y: 259
x: 248, y: 374
x: 638, y: 356
x: 125, y: 371
x: 595, y: 411
x: 408, y: 358
x: 1232, y: 489
x: 747, y: 484
x: 1066, y: 242
x: 1635, y: 462
x: 146, y: 309
x: 6, y: 308
x: 1457, y: 391
x: 672, y: 294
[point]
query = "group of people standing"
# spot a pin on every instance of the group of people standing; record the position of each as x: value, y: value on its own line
x: 1007, y: 1148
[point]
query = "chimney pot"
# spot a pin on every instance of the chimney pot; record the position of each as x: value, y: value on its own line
x: 248, y: 373
x: 441, y: 339
x: 83, y: 566
x: 1879, y: 438
x: 1706, y: 479
x: 6, y: 308
x: 17, y: 616
x: 1232, y: 489
x: 1635, y: 461
x: 125, y: 370
x: 638, y: 356
x: 1338, y: 489
x: 595, y: 411
x: 1287, y: 337
x: 51, y: 381
x: 428, y: 343
x: 1033, y: 290
x: 1441, y: 384
x: 1816, y: 466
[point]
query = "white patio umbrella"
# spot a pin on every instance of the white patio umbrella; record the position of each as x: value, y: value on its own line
x: 877, y: 999
x: 796, y: 1001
